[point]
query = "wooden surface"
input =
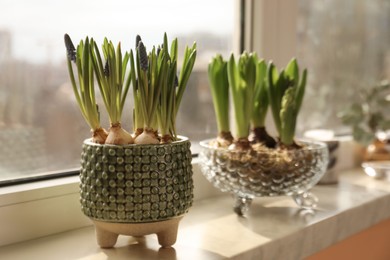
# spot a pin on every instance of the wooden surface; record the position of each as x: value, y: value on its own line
x: 372, y: 243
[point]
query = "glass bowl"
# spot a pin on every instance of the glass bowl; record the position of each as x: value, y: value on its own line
x: 265, y: 172
x: 377, y: 169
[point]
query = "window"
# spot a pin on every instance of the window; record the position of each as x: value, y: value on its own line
x: 345, y: 45
x: 41, y: 129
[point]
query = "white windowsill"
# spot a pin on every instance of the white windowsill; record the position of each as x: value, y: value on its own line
x: 37, y: 209
x: 274, y: 229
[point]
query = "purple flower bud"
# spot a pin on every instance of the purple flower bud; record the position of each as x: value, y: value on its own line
x: 70, y: 49
x: 143, y: 57
x: 176, y: 81
x: 137, y: 40
x: 106, y: 69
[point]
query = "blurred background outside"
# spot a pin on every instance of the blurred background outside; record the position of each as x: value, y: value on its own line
x: 344, y: 44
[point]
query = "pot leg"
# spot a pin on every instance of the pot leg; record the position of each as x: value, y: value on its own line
x: 168, y: 237
x: 242, y: 205
x: 105, y: 239
x: 305, y: 200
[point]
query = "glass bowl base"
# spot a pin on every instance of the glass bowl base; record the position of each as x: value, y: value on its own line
x: 305, y: 200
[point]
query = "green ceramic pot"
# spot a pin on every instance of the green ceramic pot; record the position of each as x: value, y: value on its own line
x: 136, y: 183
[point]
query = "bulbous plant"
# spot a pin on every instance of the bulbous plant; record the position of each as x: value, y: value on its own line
x: 219, y: 84
x: 84, y: 90
x: 254, y: 87
x: 260, y: 108
x: 246, y: 80
x: 158, y: 91
x: 285, y: 92
x: 242, y: 80
x: 114, y: 85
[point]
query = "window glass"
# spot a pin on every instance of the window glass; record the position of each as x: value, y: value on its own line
x: 345, y: 45
x: 41, y: 128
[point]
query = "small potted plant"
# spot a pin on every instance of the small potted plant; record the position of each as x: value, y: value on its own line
x: 133, y: 183
x: 370, y: 121
x: 254, y: 163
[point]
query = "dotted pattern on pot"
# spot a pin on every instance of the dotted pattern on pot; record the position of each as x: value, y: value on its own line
x: 136, y: 183
x: 273, y: 173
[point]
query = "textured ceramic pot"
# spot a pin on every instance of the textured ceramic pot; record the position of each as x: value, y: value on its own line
x: 136, y: 189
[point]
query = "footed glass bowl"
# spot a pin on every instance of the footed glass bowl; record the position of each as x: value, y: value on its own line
x: 265, y: 172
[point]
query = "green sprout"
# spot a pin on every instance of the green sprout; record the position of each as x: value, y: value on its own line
x: 242, y: 79
x: 219, y: 83
x: 260, y: 108
x: 157, y: 92
x: 138, y: 118
x: 113, y: 85
x: 286, y: 95
x: 148, y: 92
x: 185, y: 72
x: 168, y: 81
x: 84, y: 90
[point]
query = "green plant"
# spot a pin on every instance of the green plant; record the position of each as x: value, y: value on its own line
x: 114, y: 85
x: 219, y: 84
x: 84, y: 90
x: 242, y: 80
x: 286, y: 90
x: 369, y: 114
x: 260, y: 108
x: 254, y: 87
x: 157, y: 90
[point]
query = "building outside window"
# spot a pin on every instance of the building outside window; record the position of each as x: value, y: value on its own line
x: 41, y: 129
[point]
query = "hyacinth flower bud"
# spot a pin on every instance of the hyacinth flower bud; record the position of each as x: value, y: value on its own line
x: 176, y: 81
x: 143, y: 57
x: 106, y: 69
x: 137, y: 40
x: 70, y: 49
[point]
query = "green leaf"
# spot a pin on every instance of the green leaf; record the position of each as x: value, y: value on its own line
x: 260, y: 104
x: 273, y: 94
x: 188, y: 65
x: 218, y: 78
x: 301, y: 90
x: 362, y: 136
x: 292, y: 71
x: 84, y: 90
x: 288, y: 117
x: 242, y: 92
x: 353, y: 115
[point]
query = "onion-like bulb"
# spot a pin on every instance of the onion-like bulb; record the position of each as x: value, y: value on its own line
x: 99, y: 135
x: 148, y: 136
x: 118, y: 136
x: 241, y: 144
